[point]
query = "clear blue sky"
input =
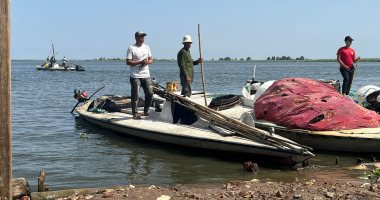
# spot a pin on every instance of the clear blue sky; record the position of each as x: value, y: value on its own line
x: 86, y: 29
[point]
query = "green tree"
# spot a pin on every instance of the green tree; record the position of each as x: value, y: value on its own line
x: 248, y: 58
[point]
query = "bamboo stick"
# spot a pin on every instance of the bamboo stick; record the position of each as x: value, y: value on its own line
x: 231, y: 124
x: 244, y: 131
x: 242, y: 125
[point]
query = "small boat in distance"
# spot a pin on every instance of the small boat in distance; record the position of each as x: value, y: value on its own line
x: 50, y: 64
x: 59, y: 67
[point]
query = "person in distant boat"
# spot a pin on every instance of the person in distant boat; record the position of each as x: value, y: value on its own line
x: 139, y: 57
x: 46, y: 62
x: 186, y: 66
x: 346, y: 58
x: 52, y: 61
x: 64, y: 61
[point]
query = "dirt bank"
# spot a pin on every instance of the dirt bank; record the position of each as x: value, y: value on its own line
x: 254, y: 189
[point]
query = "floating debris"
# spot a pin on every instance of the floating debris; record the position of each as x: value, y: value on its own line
x: 83, y: 135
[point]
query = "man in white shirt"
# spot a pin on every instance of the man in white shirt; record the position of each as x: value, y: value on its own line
x: 139, y: 58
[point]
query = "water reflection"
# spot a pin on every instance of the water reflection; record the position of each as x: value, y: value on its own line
x: 145, y: 161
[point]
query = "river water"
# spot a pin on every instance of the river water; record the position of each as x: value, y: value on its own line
x: 47, y: 137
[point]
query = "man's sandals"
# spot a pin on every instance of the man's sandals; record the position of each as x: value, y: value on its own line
x: 137, y: 116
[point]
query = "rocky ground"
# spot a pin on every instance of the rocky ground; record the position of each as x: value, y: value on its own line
x: 254, y: 189
x: 315, y: 187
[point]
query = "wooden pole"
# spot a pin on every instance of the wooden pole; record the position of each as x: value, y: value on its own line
x: 5, y: 105
x: 41, y: 182
x: 200, y: 56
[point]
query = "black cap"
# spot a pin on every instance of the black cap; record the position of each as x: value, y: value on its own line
x: 348, y: 38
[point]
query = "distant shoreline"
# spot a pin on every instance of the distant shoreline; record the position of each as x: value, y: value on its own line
x: 212, y: 60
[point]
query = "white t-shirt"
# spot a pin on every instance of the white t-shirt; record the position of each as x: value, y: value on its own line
x: 136, y: 53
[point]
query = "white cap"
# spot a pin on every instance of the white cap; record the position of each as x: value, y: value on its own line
x: 138, y: 33
x: 187, y: 38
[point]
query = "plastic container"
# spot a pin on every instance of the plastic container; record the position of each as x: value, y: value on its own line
x: 362, y: 93
x: 262, y: 89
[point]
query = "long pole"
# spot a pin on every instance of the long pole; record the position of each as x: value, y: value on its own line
x: 52, y: 47
x: 5, y: 103
x: 200, y: 56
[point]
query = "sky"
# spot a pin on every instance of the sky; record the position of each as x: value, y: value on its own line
x: 90, y: 29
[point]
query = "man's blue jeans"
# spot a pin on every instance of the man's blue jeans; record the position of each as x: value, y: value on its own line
x: 348, y: 76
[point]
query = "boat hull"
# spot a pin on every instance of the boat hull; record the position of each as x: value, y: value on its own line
x: 188, y: 136
x: 55, y: 69
x: 356, y: 140
x: 61, y: 68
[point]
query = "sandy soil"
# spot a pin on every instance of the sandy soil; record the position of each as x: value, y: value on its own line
x: 254, y: 189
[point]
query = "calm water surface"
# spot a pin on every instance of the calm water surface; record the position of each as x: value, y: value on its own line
x: 47, y: 137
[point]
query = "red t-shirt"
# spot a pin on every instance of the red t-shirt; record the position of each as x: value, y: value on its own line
x: 347, y: 56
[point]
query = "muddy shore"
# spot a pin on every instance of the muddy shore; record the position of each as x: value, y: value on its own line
x: 254, y: 189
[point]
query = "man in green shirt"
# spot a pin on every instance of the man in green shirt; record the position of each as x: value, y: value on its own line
x: 186, y: 66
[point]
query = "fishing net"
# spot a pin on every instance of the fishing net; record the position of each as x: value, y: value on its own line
x: 313, y: 105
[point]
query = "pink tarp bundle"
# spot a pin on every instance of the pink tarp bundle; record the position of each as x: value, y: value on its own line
x: 313, y: 105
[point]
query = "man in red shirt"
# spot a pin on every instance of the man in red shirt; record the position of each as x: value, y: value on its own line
x: 346, y: 58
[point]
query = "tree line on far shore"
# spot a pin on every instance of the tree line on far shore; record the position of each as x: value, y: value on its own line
x: 285, y: 58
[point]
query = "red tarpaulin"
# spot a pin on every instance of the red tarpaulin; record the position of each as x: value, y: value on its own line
x: 313, y: 105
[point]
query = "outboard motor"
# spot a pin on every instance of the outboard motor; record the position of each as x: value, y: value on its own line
x: 79, y: 68
x: 80, y: 95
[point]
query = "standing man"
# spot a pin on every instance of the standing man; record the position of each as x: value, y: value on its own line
x: 346, y: 58
x: 52, y: 61
x: 186, y: 66
x: 64, y: 61
x: 139, y: 58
